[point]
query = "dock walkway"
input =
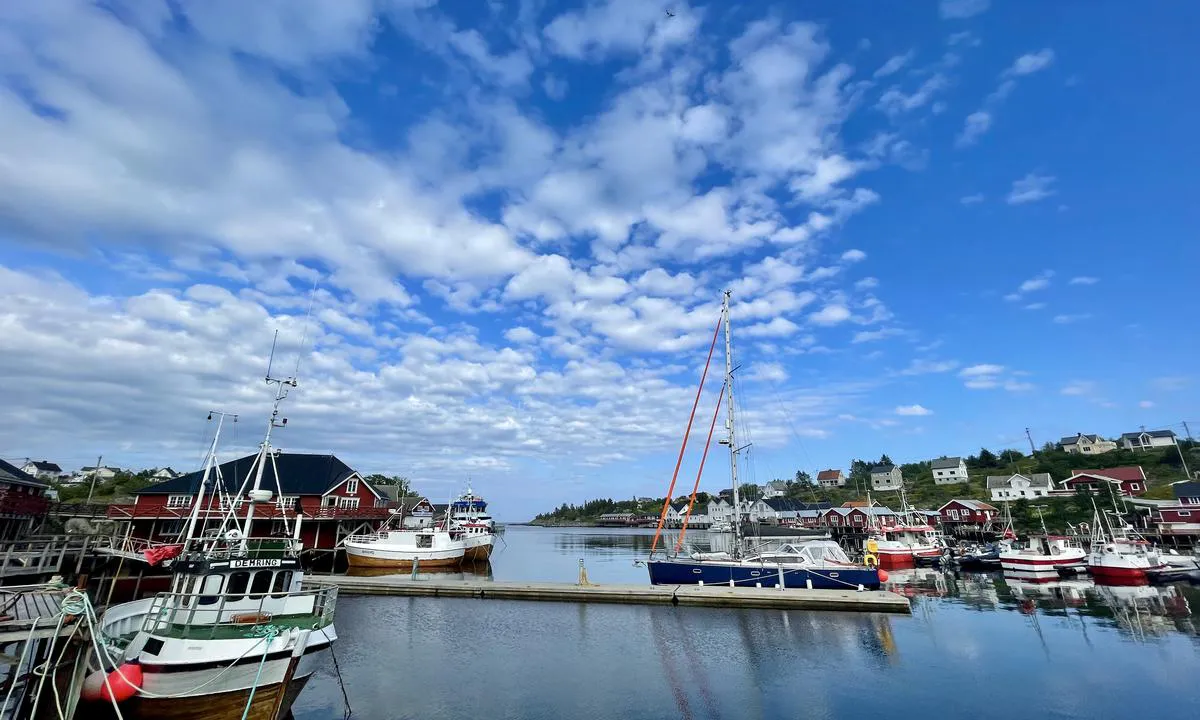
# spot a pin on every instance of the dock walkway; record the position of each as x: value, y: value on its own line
x: 690, y: 595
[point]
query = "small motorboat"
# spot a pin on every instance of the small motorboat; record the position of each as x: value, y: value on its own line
x: 978, y: 557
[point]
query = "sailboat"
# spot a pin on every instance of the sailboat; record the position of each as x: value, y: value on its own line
x: 237, y: 636
x: 808, y: 564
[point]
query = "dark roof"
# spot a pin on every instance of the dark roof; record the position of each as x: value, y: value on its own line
x: 1035, y: 480
x: 1186, y: 489
x: 946, y: 463
x: 1074, y: 439
x: 788, y: 504
x: 46, y: 466
x: 1151, y: 433
x: 299, y: 474
x: 882, y: 469
x: 12, y: 474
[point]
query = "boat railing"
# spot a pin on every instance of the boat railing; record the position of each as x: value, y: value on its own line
x: 206, y: 617
x: 367, y: 537
x: 211, y: 548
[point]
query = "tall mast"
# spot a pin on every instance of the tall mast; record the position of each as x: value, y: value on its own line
x: 209, y: 463
x: 264, y: 454
x: 731, y: 436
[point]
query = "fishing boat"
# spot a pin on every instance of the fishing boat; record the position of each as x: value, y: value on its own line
x: 237, y: 635
x: 428, y: 547
x: 810, y: 564
x: 905, y: 544
x: 1119, y: 556
x: 1044, y: 557
x: 477, y: 529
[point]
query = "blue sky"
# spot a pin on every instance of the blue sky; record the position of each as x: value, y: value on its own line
x: 942, y: 223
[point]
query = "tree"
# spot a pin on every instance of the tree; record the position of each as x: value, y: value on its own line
x: 750, y: 492
x: 860, y: 475
x: 885, y: 460
x: 987, y: 459
x: 399, y: 481
x: 803, y: 478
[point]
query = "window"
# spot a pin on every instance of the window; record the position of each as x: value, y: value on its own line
x: 329, y: 501
x: 261, y: 583
x: 282, y: 584
x: 352, y: 486
x: 289, y: 501
x: 238, y: 582
x: 178, y: 501
x: 210, y: 589
x: 1184, y: 513
x: 350, y: 503
x: 1134, y: 486
x: 953, y: 514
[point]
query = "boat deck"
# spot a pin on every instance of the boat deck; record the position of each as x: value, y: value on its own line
x: 689, y: 595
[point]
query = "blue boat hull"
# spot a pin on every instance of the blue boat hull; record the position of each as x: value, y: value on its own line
x: 683, y: 571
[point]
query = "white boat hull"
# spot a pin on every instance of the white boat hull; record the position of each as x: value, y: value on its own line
x: 478, y: 547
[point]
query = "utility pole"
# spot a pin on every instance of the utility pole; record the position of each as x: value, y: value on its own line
x: 92, y: 488
x: 1029, y: 437
x: 1187, y: 430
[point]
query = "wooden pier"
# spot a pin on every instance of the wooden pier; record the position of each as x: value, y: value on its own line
x: 687, y: 595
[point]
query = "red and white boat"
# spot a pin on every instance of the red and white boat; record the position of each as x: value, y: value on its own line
x: 1044, y: 558
x: 900, y: 546
x: 1121, y: 557
x: 905, y: 544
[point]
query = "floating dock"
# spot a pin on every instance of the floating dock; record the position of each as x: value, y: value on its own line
x: 688, y: 595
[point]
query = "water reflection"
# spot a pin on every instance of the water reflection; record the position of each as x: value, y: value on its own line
x: 1141, y: 612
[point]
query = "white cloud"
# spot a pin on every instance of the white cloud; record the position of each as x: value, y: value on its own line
x: 926, y: 367
x: 1035, y: 306
x: 1068, y: 319
x: 1031, y: 188
x: 895, y: 102
x: 976, y: 124
x: 983, y: 369
x: 894, y: 64
x: 778, y: 327
x: 511, y: 69
x: 1083, y: 280
x: 554, y: 87
x: 1145, y: 404
x: 1031, y: 62
x: 620, y: 27
x: 971, y: 199
x: 1079, y: 388
x: 1040, y: 282
x: 872, y: 335
x: 520, y: 335
x: 866, y: 283
x: 830, y: 315
x: 913, y: 410
x: 960, y: 9
x: 660, y: 282
x: 772, y: 372
x: 854, y: 256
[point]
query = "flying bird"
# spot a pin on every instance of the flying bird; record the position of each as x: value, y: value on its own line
x: 670, y: 14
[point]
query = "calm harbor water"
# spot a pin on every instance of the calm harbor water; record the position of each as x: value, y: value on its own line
x: 976, y: 645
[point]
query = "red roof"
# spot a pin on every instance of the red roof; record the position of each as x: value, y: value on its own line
x: 829, y: 475
x: 1133, y: 472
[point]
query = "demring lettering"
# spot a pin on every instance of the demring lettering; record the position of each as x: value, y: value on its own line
x: 254, y: 563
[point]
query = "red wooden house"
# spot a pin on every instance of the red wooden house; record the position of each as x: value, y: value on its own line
x: 857, y: 519
x: 1182, y: 517
x: 967, y: 512
x: 1129, y: 481
x: 335, y: 500
x: 23, y: 502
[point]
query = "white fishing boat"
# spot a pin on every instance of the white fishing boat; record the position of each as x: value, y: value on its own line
x: 477, y: 529
x: 425, y: 547
x: 1119, y: 556
x: 1043, y: 558
x: 237, y: 636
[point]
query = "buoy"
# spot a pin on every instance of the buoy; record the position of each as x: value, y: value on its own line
x: 870, y: 560
x: 92, y: 685
x: 883, y: 575
x: 123, y: 682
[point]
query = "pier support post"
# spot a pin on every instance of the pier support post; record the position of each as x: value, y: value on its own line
x: 782, y: 583
x: 416, y: 562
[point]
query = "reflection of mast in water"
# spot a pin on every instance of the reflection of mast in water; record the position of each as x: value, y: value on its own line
x: 664, y: 654
x: 698, y: 675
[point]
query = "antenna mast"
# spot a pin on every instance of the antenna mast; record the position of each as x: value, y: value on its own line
x: 729, y: 430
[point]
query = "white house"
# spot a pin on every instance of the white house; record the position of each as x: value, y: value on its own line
x: 886, y: 477
x: 1014, y: 487
x: 720, y: 511
x: 831, y: 478
x: 675, y: 513
x: 949, y: 470
x: 1146, y: 439
x: 162, y: 474
x: 1081, y: 444
x: 775, y: 489
x: 42, y: 469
